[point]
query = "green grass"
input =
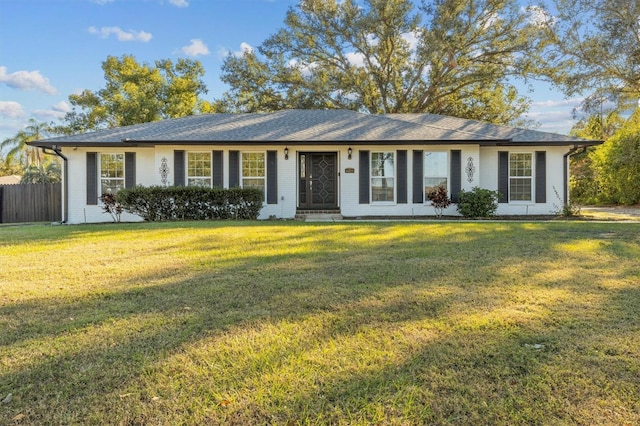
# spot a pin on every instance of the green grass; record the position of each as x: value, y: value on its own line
x: 292, y: 323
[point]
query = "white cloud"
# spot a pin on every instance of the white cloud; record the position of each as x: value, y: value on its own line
x: 179, y: 3
x: 11, y: 109
x: 120, y: 34
x: 412, y: 38
x: 574, y: 103
x: 26, y: 80
x: 61, y: 106
x: 305, y: 69
x: 488, y: 21
x: 356, y: 59
x: 222, y: 53
x: 197, y: 47
x: 539, y: 17
x: 244, y: 48
x: 57, y: 111
x: 556, y: 116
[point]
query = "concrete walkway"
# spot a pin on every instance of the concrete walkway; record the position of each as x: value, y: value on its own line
x: 615, y: 213
x: 612, y: 212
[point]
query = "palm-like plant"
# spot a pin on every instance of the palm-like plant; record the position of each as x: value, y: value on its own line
x: 49, y: 173
x: 19, y: 151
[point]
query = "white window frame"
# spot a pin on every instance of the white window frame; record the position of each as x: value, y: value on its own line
x: 514, y: 177
x: 426, y: 169
x: 244, y: 177
x: 203, y: 178
x: 384, y: 176
x: 102, y: 177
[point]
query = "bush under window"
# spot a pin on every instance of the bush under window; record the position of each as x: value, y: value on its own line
x: 158, y: 203
x: 478, y: 202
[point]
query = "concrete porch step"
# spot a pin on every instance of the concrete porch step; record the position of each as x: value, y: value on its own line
x: 319, y: 215
x: 323, y: 217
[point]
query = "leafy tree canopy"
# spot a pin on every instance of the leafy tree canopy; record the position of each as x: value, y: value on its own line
x: 584, y: 179
x: 49, y: 173
x: 138, y: 93
x: 616, y: 164
x: 8, y: 169
x: 598, y: 126
x: 595, y: 49
x: 454, y: 57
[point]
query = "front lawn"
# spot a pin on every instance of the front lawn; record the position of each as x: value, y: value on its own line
x: 296, y: 323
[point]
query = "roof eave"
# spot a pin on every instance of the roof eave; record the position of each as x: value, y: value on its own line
x: 153, y: 143
x: 576, y: 143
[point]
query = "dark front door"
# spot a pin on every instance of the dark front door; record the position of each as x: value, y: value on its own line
x: 318, y: 183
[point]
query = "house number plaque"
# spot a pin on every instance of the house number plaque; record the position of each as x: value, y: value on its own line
x: 349, y: 170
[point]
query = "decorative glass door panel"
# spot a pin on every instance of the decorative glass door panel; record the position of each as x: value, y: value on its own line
x: 318, y: 180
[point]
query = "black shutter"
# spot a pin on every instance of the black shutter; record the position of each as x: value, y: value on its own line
x: 234, y: 169
x: 418, y: 177
x: 541, y: 177
x: 503, y: 176
x: 364, y: 177
x: 272, y: 177
x: 129, y: 169
x: 402, y: 177
x: 218, y: 169
x: 456, y: 175
x: 92, y: 178
x: 178, y: 168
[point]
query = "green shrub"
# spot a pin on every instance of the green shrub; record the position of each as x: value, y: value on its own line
x: 478, y: 202
x: 158, y: 203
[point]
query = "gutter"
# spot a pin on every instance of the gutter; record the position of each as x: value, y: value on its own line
x: 573, y: 151
x: 65, y: 178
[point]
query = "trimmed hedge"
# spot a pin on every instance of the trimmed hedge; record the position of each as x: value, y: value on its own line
x: 157, y: 203
x: 478, y: 202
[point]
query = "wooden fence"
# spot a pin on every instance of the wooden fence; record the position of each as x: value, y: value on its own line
x: 40, y: 202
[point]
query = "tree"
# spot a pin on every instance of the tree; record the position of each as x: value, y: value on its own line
x: 598, y: 126
x: 386, y: 56
x: 49, y: 173
x: 595, y: 49
x: 616, y: 164
x: 18, y: 150
x: 138, y: 93
x: 8, y: 169
x: 583, y: 183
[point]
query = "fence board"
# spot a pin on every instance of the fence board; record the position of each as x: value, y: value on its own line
x: 40, y: 202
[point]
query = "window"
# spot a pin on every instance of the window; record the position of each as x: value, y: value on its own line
x: 382, y: 177
x: 520, y: 180
x: 436, y: 171
x: 111, y: 173
x: 253, y: 170
x: 199, y: 169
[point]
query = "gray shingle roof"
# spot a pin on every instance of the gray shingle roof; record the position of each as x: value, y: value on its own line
x: 483, y: 129
x: 327, y: 126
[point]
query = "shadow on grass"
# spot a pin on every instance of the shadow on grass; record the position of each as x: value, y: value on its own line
x: 361, y: 281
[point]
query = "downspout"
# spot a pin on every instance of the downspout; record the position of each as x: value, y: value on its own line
x: 65, y: 180
x: 566, y: 157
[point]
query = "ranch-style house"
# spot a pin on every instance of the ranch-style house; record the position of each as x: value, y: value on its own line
x: 346, y: 162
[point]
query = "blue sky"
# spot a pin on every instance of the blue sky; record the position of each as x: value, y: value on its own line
x: 50, y: 49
